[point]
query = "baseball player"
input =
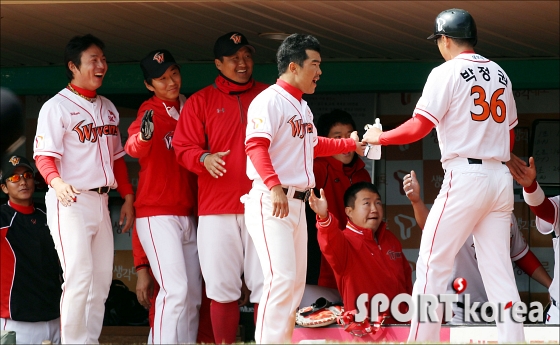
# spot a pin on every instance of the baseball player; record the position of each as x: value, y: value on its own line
x: 281, y: 142
x: 469, y: 100
x: 31, y: 275
x: 466, y: 264
x: 78, y: 151
x: 165, y: 203
x: 209, y: 142
x: 334, y: 174
x: 547, y: 212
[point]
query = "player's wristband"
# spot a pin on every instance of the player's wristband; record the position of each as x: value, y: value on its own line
x: 204, y: 156
x: 534, y: 199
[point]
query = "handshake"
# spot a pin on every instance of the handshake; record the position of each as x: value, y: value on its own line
x: 371, y: 138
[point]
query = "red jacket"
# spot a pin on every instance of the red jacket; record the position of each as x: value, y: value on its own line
x: 335, y: 178
x: 360, y: 264
x: 164, y: 187
x: 214, y: 119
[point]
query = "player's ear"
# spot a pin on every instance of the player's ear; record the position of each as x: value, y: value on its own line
x: 218, y: 64
x: 4, y: 188
x: 348, y: 210
x: 148, y: 86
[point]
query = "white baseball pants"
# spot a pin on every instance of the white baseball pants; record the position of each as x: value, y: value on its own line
x: 170, y: 245
x: 477, y: 199
x: 226, y: 252
x: 33, y: 332
x: 282, y: 248
x: 83, y: 239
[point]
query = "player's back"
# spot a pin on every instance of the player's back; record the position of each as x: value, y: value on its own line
x: 471, y: 98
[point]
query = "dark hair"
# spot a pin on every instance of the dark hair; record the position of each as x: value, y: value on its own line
x: 350, y: 194
x: 293, y: 49
x: 329, y: 120
x: 75, y: 48
x: 462, y: 42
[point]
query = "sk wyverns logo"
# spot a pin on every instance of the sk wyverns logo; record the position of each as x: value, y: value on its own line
x: 440, y: 23
x: 14, y: 160
x: 112, y: 116
x: 257, y: 123
x: 236, y: 38
x: 394, y: 255
x: 159, y: 58
x: 299, y: 128
x: 168, y: 138
x: 91, y: 134
x: 39, y: 142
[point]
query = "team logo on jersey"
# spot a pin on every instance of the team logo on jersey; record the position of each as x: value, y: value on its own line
x: 159, y: 58
x: 168, y: 138
x: 33, y: 221
x: 74, y: 113
x: 440, y: 23
x: 14, y: 160
x: 394, y: 255
x: 112, y: 116
x: 221, y: 110
x: 258, y: 123
x: 236, y: 38
x: 299, y: 128
x: 91, y: 134
x: 39, y: 142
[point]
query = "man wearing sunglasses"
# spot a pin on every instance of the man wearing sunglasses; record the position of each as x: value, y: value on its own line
x: 30, y: 286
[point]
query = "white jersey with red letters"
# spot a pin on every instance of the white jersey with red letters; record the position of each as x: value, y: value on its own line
x: 469, y: 98
x: 466, y: 266
x: 468, y: 128
x: 66, y: 124
x: 276, y: 115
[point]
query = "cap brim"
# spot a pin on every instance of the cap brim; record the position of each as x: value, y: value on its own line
x: 432, y: 36
x: 162, y: 68
x: 233, y: 51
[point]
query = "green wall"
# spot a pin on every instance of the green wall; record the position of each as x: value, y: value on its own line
x: 364, y: 76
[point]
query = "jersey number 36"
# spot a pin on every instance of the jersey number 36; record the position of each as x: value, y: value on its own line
x: 496, y: 107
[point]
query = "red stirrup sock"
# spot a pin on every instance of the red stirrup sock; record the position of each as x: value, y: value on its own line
x: 225, y: 320
x: 256, y: 312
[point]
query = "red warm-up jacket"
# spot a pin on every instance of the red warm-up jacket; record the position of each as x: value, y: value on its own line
x: 335, y: 178
x: 164, y: 186
x: 362, y: 265
x: 214, y: 119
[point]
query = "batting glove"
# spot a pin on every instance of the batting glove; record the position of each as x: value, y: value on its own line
x: 147, y: 127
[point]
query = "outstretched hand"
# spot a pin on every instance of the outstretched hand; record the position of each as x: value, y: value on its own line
x: 372, y: 136
x: 411, y: 187
x: 523, y: 174
x: 319, y: 205
x: 147, y: 126
x: 359, y: 145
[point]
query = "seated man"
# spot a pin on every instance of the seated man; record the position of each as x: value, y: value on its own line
x: 547, y: 212
x: 466, y: 265
x: 334, y: 174
x: 31, y: 275
x: 365, y: 257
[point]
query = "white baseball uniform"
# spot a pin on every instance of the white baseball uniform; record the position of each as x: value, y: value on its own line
x: 466, y: 266
x: 281, y: 242
x: 470, y: 101
x: 84, y: 139
x: 535, y: 199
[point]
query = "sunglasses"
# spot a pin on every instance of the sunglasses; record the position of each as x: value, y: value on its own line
x: 15, y: 178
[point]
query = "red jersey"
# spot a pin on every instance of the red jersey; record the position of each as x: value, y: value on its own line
x: 362, y: 265
x: 164, y: 186
x: 335, y: 178
x: 214, y: 119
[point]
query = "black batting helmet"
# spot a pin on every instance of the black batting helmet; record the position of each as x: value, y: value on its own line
x: 455, y: 23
